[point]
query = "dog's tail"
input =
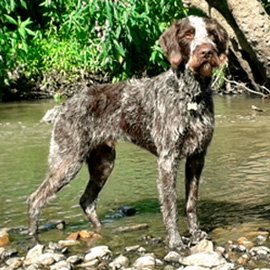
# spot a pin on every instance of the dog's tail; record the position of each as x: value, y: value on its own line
x: 51, y: 115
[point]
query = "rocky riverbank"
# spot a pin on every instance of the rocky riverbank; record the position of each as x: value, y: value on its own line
x: 249, y: 252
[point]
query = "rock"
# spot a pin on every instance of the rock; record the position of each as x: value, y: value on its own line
x: 245, y: 242
x: 206, y: 259
x: 99, y: 252
x: 226, y: 266
x: 2, y: 253
x: 131, y: 228
x: 261, y: 249
x: 132, y: 248
x: 46, y: 259
x: 220, y: 250
x: 61, y: 225
x: 119, y: 262
x: 68, y: 242
x: 33, y: 254
x: 92, y: 263
x: 62, y: 265
x: 147, y: 261
x: 170, y: 267
x: 4, y: 238
x: 196, y: 268
x: 261, y: 239
x: 127, y: 211
x: 33, y: 266
x: 172, y: 256
x: 75, y: 259
x: 204, y: 245
x: 257, y: 233
x: 54, y: 246
x: 14, y: 263
x: 141, y: 250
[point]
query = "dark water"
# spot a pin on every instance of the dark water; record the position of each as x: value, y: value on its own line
x: 234, y: 193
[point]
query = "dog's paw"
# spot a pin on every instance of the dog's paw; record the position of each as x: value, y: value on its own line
x: 198, y: 236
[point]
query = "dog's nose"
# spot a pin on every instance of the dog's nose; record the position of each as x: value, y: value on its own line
x: 206, y: 52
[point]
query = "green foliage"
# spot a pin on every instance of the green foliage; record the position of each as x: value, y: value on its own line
x: 114, y: 37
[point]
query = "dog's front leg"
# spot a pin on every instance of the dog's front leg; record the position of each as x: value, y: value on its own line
x: 194, y: 166
x: 168, y: 199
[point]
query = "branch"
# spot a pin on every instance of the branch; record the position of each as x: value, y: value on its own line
x: 264, y: 96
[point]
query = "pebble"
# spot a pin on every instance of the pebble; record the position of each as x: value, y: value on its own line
x: 59, y: 256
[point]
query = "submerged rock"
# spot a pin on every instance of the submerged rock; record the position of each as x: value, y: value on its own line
x: 4, y: 238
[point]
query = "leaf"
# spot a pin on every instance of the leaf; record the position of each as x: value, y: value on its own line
x: 23, y: 4
x: 10, y: 19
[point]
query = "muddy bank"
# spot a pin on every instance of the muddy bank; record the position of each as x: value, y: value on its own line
x: 46, y: 86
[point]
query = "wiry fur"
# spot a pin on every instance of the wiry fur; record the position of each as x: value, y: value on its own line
x: 170, y: 115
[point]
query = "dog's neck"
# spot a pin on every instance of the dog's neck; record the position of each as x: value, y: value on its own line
x: 194, y: 86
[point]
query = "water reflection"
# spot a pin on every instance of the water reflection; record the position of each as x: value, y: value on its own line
x: 233, y: 194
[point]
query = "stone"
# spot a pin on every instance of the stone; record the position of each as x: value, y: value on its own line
x: 172, y: 256
x: 131, y: 228
x: 92, y: 263
x: 257, y: 233
x: 14, y: 263
x: 119, y: 262
x: 245, y: 242
x: 75, y: 259
x: 46, y: 259
x: 2, y: 252
x: 68, y: 242
x: 196, y: 268
x: 259, y: 251
x: 99, y: 252
x: 204, y: 245
x: 206, y: 259
x: 226, y: 266
x: 4, y: 238
x: 147, y: 261
x: 33, y: 254
x: 62, y: 265
x: 33, y: 266
x: 132, y: 248
x: 260, y: 240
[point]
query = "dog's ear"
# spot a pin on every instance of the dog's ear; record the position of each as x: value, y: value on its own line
x: 169, y: 44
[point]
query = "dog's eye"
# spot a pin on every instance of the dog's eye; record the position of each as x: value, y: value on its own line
x: 189, y: 34
x: 213, y: 34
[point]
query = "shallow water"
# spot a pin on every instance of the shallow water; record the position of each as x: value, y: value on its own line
x: 234, y: 193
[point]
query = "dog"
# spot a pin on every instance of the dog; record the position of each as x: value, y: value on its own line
x: 170, y: 115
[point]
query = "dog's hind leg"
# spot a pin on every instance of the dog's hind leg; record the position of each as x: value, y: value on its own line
x: 100, y: 164
x: 63, y: 169
x: 194, y: 167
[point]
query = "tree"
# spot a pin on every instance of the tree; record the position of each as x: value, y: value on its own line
x: 248, y: 25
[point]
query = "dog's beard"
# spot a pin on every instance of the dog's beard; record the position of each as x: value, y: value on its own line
x: 206, y: 69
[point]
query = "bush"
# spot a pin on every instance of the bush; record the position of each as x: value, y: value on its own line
x: 113, y: 37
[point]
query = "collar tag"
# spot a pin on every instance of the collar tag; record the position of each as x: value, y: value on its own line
x: 192, y: 106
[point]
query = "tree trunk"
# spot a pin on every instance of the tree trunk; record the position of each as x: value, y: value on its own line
x: 248, y: 26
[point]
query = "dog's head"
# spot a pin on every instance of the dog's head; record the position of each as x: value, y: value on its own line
x: 201, y: 43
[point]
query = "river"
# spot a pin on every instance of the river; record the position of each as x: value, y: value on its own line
x: 234, y: 192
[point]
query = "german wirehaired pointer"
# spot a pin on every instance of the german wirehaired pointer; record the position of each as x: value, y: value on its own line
x: 170, y: 115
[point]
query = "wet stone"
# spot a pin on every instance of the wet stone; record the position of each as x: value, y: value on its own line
x: 99, y: 252
x: 205, y: 259
x: 62, y: 265
x: 204, y: 245
x: 172, y: 257
x: 119, y: 262
x: 260, y: 240
x: 147, y: 261
x: 75, y: 259
x: 34, y: 253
